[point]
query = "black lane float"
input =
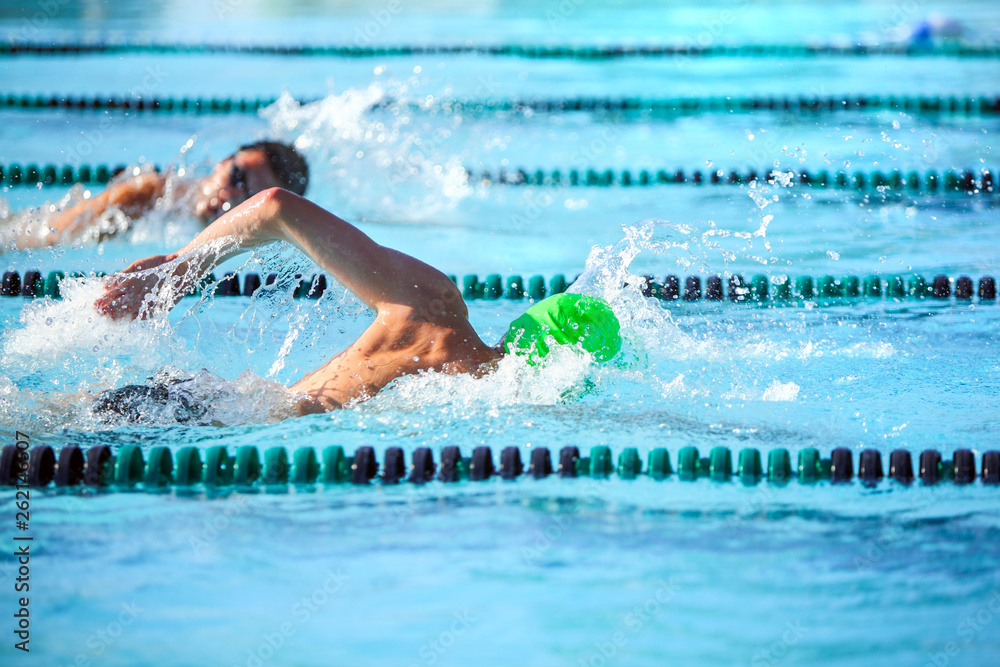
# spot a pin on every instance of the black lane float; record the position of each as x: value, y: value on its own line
x: 161, y: 467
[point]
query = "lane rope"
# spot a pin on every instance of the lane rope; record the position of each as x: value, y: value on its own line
x: 160, y: 468
x: 536, y: 51
x: 967, y: 181
x: 968, y: 105
x: 761, y: 289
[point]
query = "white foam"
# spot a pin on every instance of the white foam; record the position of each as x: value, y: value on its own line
x: 778, y: 391
x: 386, y: 160
x: 75, y: 347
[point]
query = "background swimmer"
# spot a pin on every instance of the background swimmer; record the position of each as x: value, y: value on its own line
x: 251, y: 169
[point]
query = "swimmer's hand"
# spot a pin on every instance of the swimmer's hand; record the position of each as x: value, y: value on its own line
x: 127, y: 293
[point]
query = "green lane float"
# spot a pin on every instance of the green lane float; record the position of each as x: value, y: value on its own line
x: 159, y: 468
x: 761, y: 290
x: 129, y: 466
x: 127, y: 469
x: 32, y: 175
x: 629, y: 463
x: 195, y: 105
x: 336, y: 466
x: 985, y: 105
x: 720, y: 466
x: 584, y: 52
x: 659, y: 463
x: 749, y: 468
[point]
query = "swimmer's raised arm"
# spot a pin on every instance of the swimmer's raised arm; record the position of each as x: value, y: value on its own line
x: 134, y: 196
x: 379, y: 276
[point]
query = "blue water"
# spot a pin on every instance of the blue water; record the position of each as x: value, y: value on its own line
x: 551, y: 572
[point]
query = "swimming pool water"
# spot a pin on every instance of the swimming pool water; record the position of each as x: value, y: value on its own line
x: 574, y: 572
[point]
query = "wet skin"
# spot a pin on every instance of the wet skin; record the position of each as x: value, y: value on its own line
x: 421, y: 322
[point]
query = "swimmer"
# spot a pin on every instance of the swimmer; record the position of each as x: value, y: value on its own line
x: 934, y: 29
x: 251, y: 169
x: 421, y: 321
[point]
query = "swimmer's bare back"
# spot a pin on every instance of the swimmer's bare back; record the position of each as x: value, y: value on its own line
x: 421, y: 321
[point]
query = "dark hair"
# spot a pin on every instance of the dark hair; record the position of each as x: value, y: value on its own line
x: 288, y: 165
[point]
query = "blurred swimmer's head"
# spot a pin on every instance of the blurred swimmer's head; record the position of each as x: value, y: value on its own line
x: 251, y: 169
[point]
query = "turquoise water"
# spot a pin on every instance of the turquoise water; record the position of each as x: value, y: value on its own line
x: 539, y: 572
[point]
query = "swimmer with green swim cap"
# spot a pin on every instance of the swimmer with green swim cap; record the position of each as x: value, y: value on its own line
x: 421, y: 321
x: 577, y: 320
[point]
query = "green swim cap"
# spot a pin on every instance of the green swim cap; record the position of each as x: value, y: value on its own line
x: 566, y: 319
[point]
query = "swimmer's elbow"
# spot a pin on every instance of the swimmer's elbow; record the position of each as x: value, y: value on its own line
x: 274, y: 202
x: 277, y: 196
x: 275, y: 207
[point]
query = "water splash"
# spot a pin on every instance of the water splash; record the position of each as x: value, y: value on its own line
x: 98, y: 351
x: 374, y: 154
x: 278, y: 337
x: 168, y: 222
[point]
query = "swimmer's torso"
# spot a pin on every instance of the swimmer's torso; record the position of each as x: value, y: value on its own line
x: 397, y: 343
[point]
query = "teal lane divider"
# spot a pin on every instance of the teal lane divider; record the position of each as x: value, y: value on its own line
x: 777, y: 290
x: 969, y: 181
x: 51, y: 174
x: 165, y: 104
x: 954, y: 105
x: 574, y: 52
x: 217, y: 466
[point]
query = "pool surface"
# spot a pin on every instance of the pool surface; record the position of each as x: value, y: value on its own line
x: 584, y: 572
